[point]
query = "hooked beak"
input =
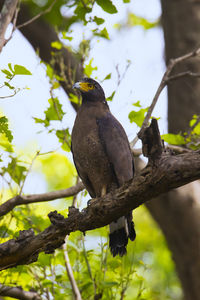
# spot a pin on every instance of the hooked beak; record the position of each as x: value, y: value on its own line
x: 76, y: 85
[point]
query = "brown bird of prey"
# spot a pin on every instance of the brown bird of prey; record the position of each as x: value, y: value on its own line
x: 102, y: 155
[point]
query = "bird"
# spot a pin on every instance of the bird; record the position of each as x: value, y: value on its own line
x: 102, y: 156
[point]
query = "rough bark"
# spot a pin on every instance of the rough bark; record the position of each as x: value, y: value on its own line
x: 180, y: 20
x: 7, y: 206
x: 178, y: 212
x: 18, y: 293
x: 6, y: 15
x: 164, y: 172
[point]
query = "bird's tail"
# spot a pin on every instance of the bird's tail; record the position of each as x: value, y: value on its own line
x: 120, y: 231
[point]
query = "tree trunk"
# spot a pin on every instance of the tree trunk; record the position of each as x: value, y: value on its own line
x: 178, y: 212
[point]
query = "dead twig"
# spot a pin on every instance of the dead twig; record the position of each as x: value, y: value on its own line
x: 165, y: 79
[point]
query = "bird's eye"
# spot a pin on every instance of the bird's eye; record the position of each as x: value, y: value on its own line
x: 91, y: 86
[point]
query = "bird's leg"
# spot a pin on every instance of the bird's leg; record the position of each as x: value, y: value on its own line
x: 103, y: 193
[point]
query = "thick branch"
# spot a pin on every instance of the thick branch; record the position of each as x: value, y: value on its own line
x: 164, y: 173
x: 20, y: 200
x: 6, y: 16
x: 18, y: 293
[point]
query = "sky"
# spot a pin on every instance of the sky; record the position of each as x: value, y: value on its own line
x: 145, y: 50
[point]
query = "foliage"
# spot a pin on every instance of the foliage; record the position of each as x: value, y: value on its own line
x: 134, y: 20
x: 147, y: 272
x: 137, y: 116
x: 9, y: 74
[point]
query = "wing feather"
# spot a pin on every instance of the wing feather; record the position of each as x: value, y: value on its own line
x: 116, y: 147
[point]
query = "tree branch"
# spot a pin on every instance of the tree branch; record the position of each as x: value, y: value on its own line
x: 163, y: 173
x: 6, y: 16
x: 7, y: 206
x: 165, y: 79
x: 18, y: 293
x: 37, y: 16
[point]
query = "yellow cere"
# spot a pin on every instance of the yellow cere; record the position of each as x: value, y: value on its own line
x: 85, y: 86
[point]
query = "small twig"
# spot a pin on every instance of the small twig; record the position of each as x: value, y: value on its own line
x: 37, y: 16
x: 183, y: 74
x: 10, y: 96
x: 29, y: 169
x: 161, y: 86
x: 69, y: 270
x: 88, y: 266
x: 70, y: 274
x: 36, y: 198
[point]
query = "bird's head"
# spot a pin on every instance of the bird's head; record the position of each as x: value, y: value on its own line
x: 90, y: 90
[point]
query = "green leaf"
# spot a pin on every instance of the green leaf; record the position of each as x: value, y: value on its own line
x: 89, y: 68
x: 21, y: 70
x: 196, y: 129
x: 4, y: 128
x: 9, y: 86
x: 98, y: 21
x: 40, y: 121
x: 15, y: 170
x: 107, y: 77
x: 137, y: 104
x: 173, y: 139
x: 126, y: 1
x: 57, y: 45
x: 66, y: 37
x: 109, y: 283
x: 49, y: 71
x: 110, y: 98
x: 5, y: 144
x: 103, y: 33
x: 7, y: 73
x: 73, y: 98
x: 107, y: 6
x: 81, y: 11
x: 134, y: 20
x: 137, y: 116
x: 54, y: 112
x: 10, y: 67
x: 64, y: 138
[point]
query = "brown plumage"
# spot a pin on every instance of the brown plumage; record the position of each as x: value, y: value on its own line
x: 102, y: 155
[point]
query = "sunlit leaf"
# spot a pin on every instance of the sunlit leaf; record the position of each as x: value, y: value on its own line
x: 57, y: 45
x: 5, y: 129
x: 137, y: 116
x: 89, y: 68
x: 98, y: 21
x: 173, y: 139
x: 107, y: 6
x: 54, y: 111
x: 7, y: 73
x: 103, y: 33
x: 110, y: 98
x: 107, y: 77
x: 64, y: 138
x: 9, y: 86
x: 21, y: 70
x: 16, y: 170
x: 137, y: 104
